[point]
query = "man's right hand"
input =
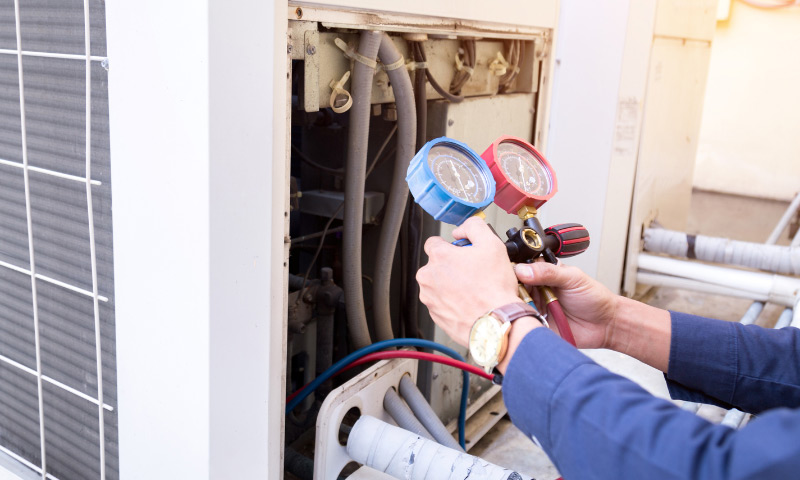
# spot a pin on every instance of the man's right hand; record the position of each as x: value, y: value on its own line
x: 589, y: 306
x: 600, y: 319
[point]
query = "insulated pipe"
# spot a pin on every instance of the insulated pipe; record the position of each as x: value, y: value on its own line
x: 355, y: 176
x: 787, y: 215
x: 403, y: 454
x: 425, y: 414
x: 778, y: 289
x: 398, y: 193
x: 784, y: 320
x: 402, y: 415
x: 771, y: 258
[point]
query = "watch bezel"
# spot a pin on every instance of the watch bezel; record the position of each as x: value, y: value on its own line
x: 502, y: 339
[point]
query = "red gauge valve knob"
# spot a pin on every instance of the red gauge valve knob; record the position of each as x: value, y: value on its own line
x: 567, y: 239
x: 522, y: 174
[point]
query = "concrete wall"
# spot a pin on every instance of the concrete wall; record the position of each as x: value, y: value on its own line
x: 748, y: 139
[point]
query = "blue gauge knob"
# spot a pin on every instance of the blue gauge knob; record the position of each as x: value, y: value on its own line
x: 450, y: 181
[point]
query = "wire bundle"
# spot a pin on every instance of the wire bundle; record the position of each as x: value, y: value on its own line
x: 372, y: 353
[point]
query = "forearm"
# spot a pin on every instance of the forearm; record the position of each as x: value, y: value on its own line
x: 597, y: 425
x: 642, y: 332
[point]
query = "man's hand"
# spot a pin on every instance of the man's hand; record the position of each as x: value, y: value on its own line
x: 459, y: 284
x: 589, y: 306
x: 600, y: 319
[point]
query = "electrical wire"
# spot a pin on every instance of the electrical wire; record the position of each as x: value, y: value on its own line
x: 324, y: 232
x: 444, y: 93
x: 338, y: 172
x: 304, y: 392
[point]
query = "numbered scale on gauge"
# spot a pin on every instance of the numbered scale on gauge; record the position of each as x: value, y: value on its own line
x: 523, y: 175
x: 450, y: 181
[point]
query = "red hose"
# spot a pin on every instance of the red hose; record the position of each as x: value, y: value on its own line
x: 557, y: 313
x: 371, y: 357
x: 420, y: 356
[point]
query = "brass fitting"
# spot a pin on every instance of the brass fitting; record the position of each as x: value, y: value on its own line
x: 531, y: 238
x: 523, y: 294
x: 549, y: 296
x: 526, y: 212
x: 480, y: 215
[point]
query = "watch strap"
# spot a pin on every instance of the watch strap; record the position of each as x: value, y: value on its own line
x: 513, y: 311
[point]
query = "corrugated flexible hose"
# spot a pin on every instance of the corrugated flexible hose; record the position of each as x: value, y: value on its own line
x: 356, y: 167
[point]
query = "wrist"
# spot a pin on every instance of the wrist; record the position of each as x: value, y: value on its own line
x: 640, y: 331
x: 519, y: 329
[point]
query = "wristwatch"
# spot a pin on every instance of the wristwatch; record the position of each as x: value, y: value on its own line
x: 488, y: 338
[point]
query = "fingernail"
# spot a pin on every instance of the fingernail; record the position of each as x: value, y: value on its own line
x: 524, y: 272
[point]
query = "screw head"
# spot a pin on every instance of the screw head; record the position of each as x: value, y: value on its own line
x: 299, y: 13
x: 311, y: 49
x: 289, y: 48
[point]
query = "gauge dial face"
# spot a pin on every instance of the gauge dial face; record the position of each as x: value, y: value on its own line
x: 524, y: 169
x: 458, y: 173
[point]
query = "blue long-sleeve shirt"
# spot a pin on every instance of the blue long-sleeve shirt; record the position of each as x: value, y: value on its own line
x: 597, y: 425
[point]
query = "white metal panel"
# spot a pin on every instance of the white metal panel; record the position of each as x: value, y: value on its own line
x: 246, y: 68
x: 628, y: 125
x: 158, y: 101
x: 197, y: 264
x: 691, y: 19
x: 516, y: 12
x: 669, y: 139
x: 586, y: 119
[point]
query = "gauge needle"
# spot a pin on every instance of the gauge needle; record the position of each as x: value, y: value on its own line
x: 522, y: 176
x: 458, y: 176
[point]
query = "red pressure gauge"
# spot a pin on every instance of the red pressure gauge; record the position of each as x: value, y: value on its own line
x: 522, y: 174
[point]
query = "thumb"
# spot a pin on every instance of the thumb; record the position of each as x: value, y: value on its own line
x: 542, y: 273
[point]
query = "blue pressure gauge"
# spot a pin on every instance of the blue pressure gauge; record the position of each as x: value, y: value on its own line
x: 450, y: 181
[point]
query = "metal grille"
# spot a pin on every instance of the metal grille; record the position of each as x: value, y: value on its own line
x: 58, y: 412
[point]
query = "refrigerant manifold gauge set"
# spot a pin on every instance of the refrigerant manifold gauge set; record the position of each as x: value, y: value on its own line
x: 451, y: 182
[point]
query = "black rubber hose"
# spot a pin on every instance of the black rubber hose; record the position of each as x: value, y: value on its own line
x: 444, y: 93
x: 356, y: 167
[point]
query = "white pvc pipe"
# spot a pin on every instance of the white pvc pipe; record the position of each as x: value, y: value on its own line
x: 787, y: 215
x: 796, y: 239
x: 659, y: 280
x: 404, y: 455
x: 778, y: 289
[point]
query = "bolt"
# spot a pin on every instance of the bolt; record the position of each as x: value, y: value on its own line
x: 311, y: 49
x: 289, y: 49
x: 299, y: 13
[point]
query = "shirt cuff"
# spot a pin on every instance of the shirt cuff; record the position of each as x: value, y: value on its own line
x: 539, y: 365
x: 702, y: 357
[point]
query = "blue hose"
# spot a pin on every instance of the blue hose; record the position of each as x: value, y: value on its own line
x: 397, y: 342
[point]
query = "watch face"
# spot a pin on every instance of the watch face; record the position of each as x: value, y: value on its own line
x: 485, y: 340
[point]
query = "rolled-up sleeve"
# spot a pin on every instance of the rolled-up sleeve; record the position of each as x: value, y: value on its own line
x: 597, y: 425
x: 733, y: 365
